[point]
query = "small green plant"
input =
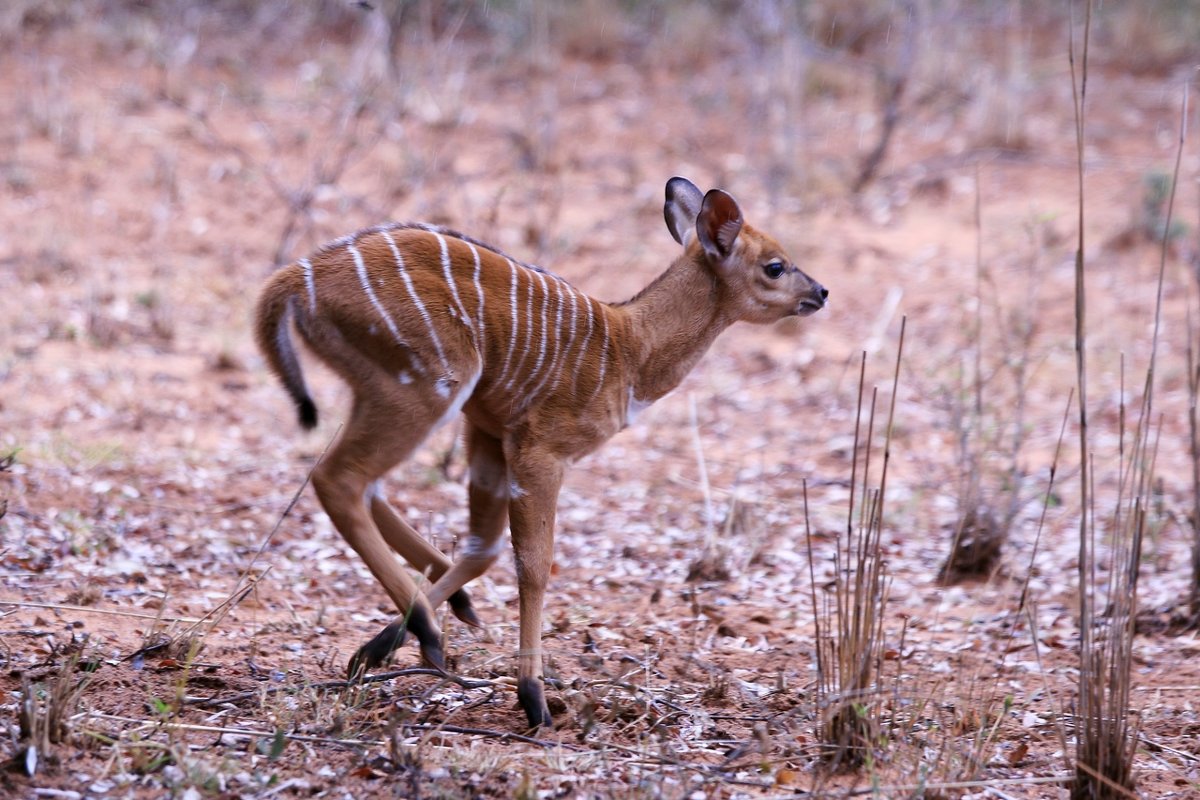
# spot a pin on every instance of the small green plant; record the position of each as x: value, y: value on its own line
x: 1154, y: 224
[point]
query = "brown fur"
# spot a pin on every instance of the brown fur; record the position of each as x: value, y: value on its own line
x: 536, y: 396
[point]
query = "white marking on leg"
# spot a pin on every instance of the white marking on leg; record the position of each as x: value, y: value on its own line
x: 476, y: 549
x: 365, y: 281
x: 449, y: 273
x: 309, y: 284
x: 416, y: 300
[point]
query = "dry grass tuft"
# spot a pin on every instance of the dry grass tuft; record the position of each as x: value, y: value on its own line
x: 975, y: 552
x: 43, y: 715
x: 1106, y: 741
x: 850, y: 642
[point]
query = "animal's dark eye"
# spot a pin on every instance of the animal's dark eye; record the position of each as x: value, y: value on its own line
x: 774, y: 269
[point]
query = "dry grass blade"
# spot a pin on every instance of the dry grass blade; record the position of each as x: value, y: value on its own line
x: 1193, y: 384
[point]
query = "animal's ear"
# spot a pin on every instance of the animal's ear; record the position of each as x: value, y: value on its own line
x: 682, y: 208
x: 719, y: 224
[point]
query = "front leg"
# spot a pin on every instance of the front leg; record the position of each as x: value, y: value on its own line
x: 536, y: 479
x: 488, y: 496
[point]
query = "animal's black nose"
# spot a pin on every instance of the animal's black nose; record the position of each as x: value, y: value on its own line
x: 824, y: 294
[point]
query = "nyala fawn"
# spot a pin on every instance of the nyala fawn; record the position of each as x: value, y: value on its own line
x: 425, y: 324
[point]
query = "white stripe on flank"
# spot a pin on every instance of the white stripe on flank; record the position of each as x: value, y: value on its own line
x: 479, y: 291
x: 561, y: 344
x: 537, y: 365
x: 583, y: 348
x: 366, y: 285
x: 514, y: 330
x: 416, y: 300
x: 508, y: 387
x: 603, y: 360
x: 449, y: 273
x: 309, y: 284
x: 558, y: 373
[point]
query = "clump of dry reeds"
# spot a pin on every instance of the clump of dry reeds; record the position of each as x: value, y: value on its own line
x: 850, y: 640
x: 43, y: 714
x: 1105, y: 737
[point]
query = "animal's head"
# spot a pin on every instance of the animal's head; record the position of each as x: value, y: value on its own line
x: 759, y: 282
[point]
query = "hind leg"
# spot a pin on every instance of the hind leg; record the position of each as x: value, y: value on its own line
x: 489, y: 512
x: 416, y: 550
x: 371, y: 444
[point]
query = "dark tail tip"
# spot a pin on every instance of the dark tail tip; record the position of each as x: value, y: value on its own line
x: 308, y: 413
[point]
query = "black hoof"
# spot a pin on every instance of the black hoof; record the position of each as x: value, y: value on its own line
x: 460, y: 605
x: 533, y: 699
x: 376, y: 652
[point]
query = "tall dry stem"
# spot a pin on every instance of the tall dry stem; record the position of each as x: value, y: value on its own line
x: 1193, y: 382
x: 1193, y: 378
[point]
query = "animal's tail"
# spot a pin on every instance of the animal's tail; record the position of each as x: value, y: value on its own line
x: 272, y: 328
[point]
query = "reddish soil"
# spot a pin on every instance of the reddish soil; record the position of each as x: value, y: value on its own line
x: 148, y: 164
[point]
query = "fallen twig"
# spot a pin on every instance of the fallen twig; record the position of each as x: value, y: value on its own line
x: 209, y: 702
x: 115, y: 612
x: 299, y: 737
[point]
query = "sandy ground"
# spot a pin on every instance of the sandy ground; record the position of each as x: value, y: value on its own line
x: 150, y: 179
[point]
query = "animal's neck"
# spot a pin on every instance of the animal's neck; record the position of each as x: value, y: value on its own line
x: 672, y: 323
